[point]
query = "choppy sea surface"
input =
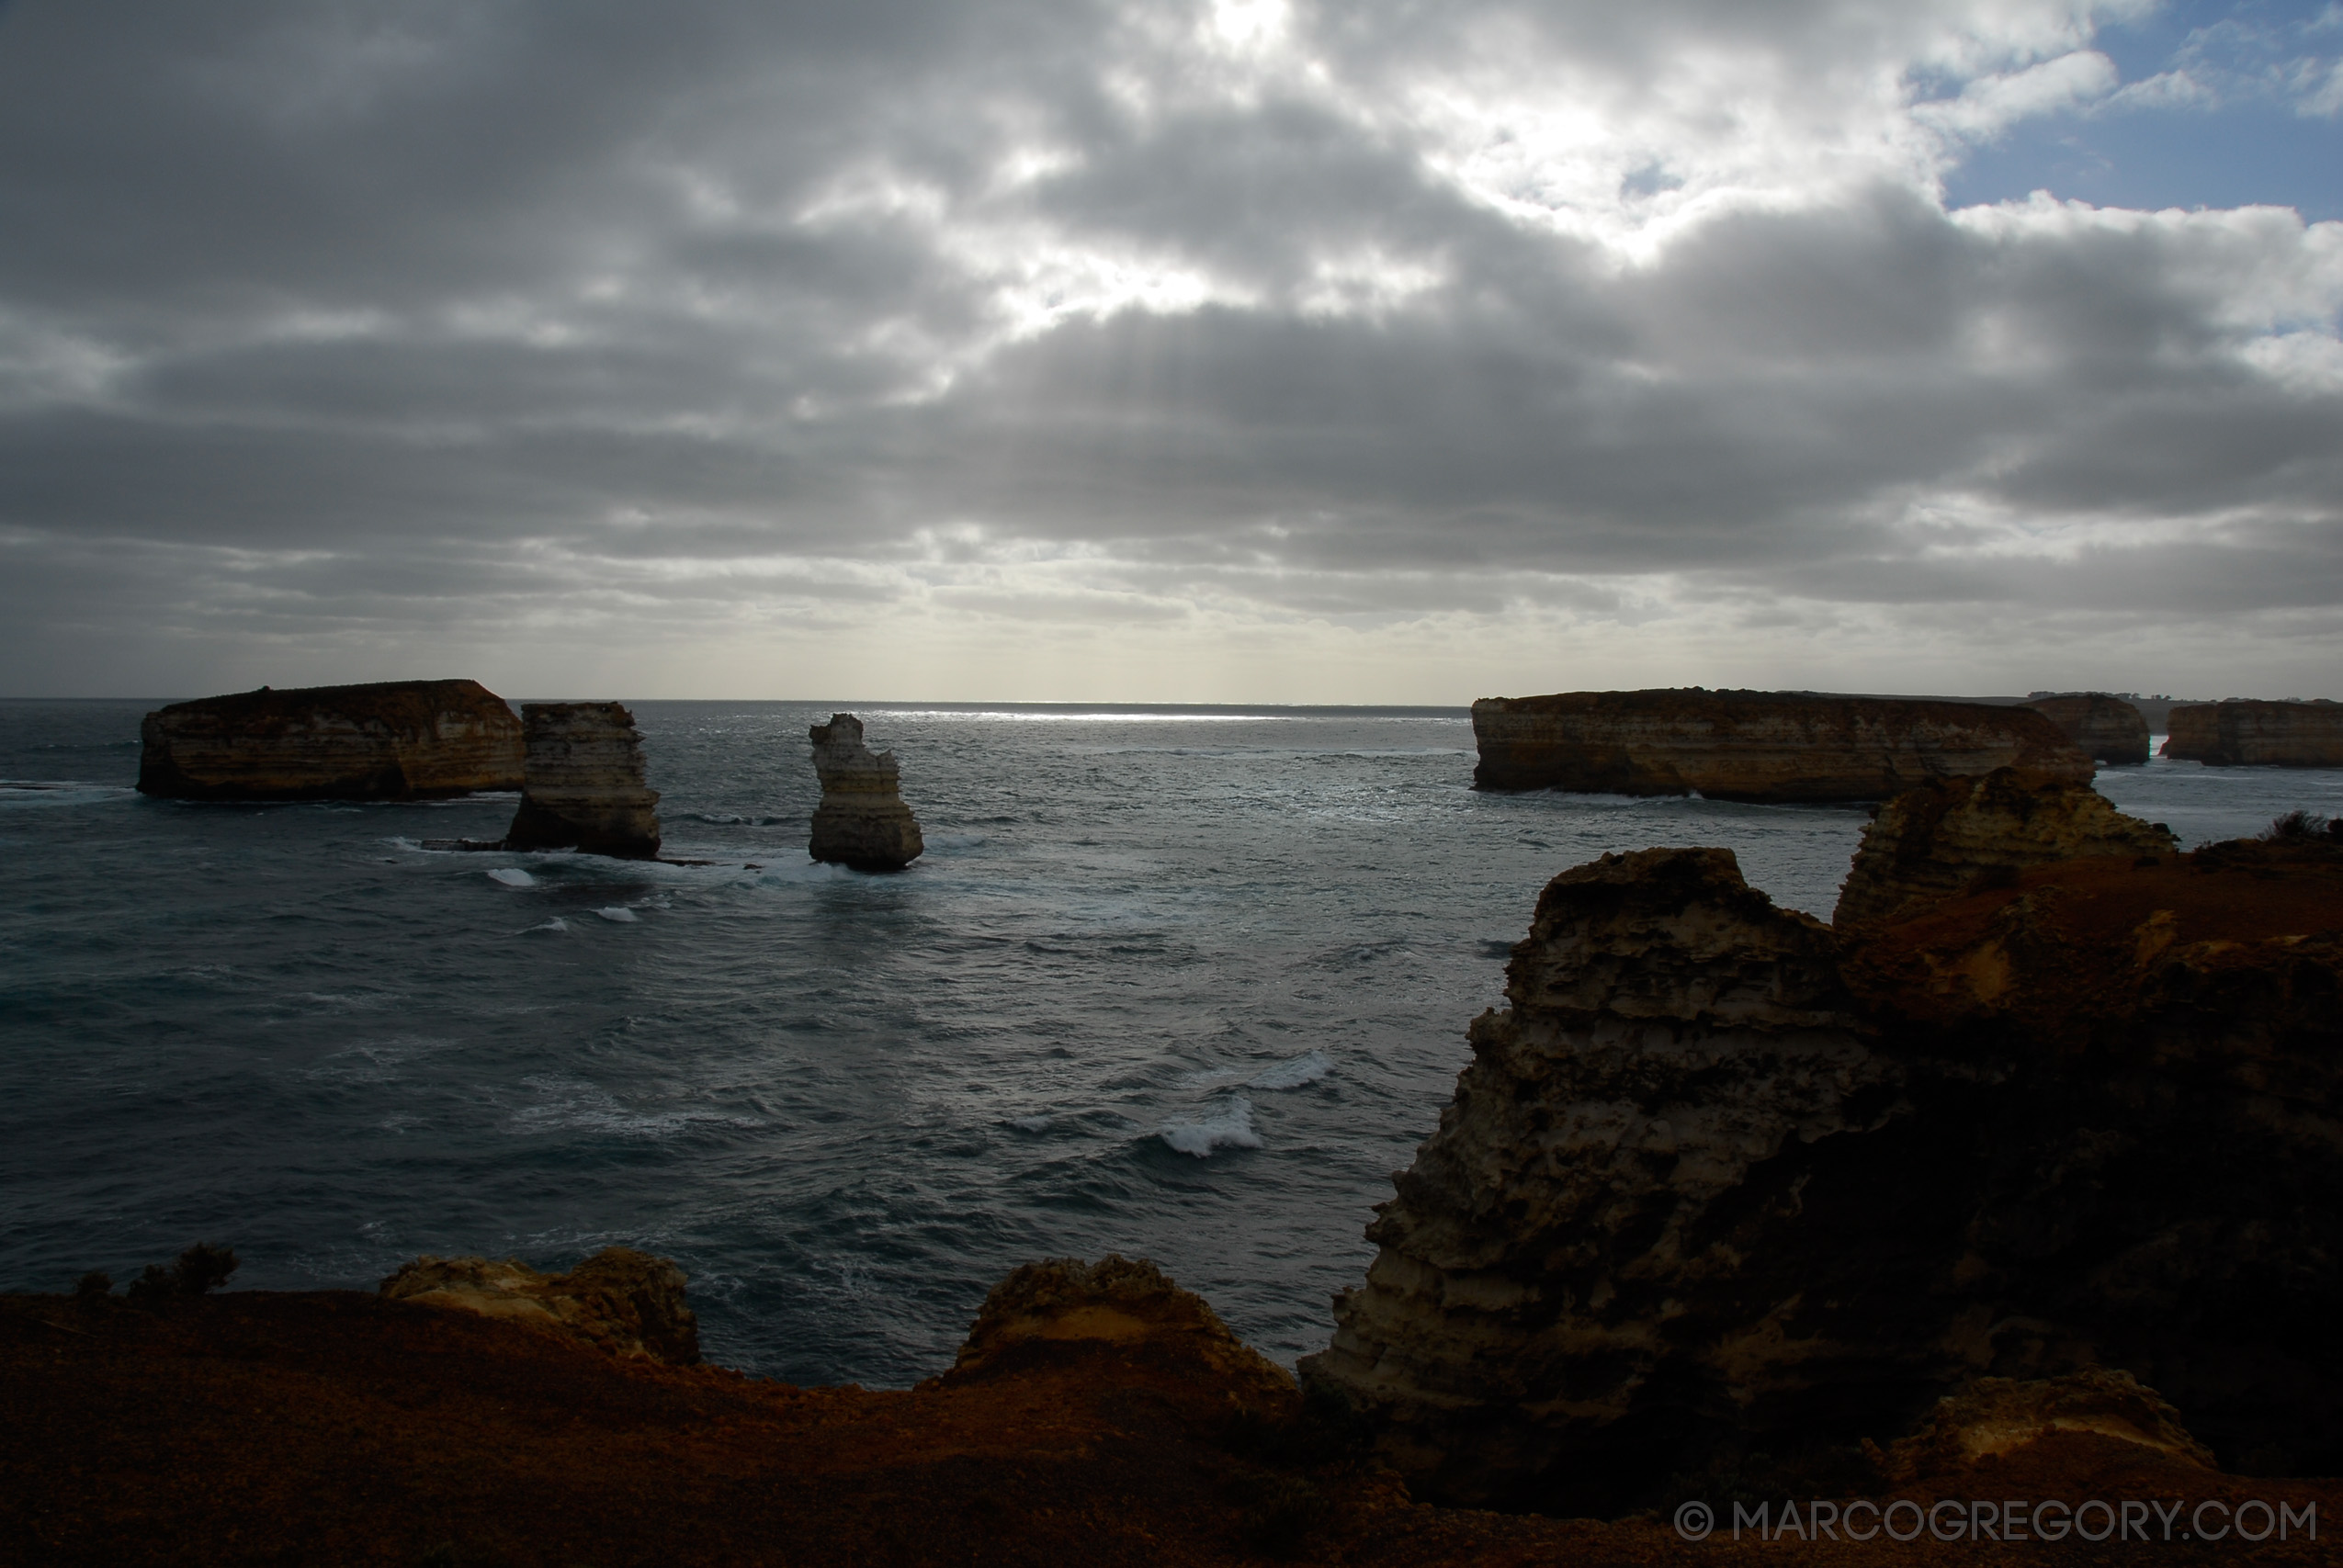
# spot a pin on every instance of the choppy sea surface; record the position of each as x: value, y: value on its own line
x: 1186, y: 983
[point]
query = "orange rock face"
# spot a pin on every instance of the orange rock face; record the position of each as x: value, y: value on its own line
x: 583, y: 784
x: 2108, y: 728
x: 1756, y: 746
x: 625, y: 1302
x: 388, y: 740
x: 2257, y: 735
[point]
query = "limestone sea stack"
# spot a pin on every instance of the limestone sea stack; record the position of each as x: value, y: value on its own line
x: 384, y: 740
x: 2108, y: 728
x: 2246, y: 734
x: 1756, y: 746
x: 583, y: 784
x: 1722, y: 1182
x: 862, y: 821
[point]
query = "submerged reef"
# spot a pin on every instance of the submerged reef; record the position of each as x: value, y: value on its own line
x: 386, y: 740
x: 584, y: 786
x: 2244, y: 734
x: 2109, y: 729
x: 1756, y: 746
x: 1722, y: 1181
x: 862, y: 821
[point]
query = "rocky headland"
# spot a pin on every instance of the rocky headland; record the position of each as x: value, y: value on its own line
x: 2109, y: 729
x: 1723, y: 1182
x: 385, y: 741
x: 862, y: 821
x: 2247, y: 734
x: 583, y: 784
x: 1756, y: 746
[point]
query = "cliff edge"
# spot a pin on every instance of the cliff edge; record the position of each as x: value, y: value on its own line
x: 386, y: 740
x: 2245, y: 734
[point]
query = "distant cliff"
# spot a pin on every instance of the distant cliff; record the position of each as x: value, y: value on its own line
x: 2246, y: 733
x: 583, y: 784
x: 385, y: 741
x: 2109, y: 729
x: 1756, y: 746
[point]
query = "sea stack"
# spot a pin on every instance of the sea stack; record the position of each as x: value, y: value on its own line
x: 384, y: 740
x: 1722, y: 1182
x: 1780, y: 747
x: 2109, y: 729
x: 583, y: 787
x: 862, y: 821
x: 2246, y: 734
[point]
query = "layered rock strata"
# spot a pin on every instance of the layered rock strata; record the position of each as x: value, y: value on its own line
x: 2109, y: 729
x: 386, y: 740
x: 1755, y: 746
x: 2244, y: 734
x: 1936, y: 842
x: 1720, y: 1181
x: 623, y: 1303
x: 583, y: 784
x: 862, y: 821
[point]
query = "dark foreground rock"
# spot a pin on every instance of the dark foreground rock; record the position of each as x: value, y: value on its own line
x: 1756, y: 746
x: 583, y: 784
x: 1721, y: 1182
x: 386, y: 740
x: 862, y: 821
x: 2243, y: 734
x: 621, y: 1302
x: 2109, y: 729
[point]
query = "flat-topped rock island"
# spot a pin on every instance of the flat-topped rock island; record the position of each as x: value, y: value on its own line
x: 1783, y: 747
x: 381, y: 741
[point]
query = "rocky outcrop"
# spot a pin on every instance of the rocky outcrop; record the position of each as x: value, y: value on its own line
x: 584, y: 786
x: 2109, y: 729
x: 1941, y: 840
x: 1756, y: 746
x: 2242, y: 734
x: 862, y: 821
x: 1994, y: 1416
x: 625, y: 1302
x: 387, y: 741
x: 1720, y: 1181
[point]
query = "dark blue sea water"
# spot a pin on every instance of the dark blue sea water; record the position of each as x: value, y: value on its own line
x: 1185, y: 984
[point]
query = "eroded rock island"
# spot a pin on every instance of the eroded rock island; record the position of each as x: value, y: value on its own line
x: 862, y: 821
x: 2246, y: 733
x: 1724, y: 1181
x: 583, y: 784
x: 1756, y: 746
x: 2109, y: 729
x: 384, y: 740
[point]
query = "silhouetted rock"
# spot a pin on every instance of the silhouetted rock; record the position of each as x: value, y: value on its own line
x: 2108, y: 728
x: 583, y: 787
x: 2244, y: 734
x: 625, y: 1302
x: 862, y: 821
x: 1756, y: 746
x: 386, y: 740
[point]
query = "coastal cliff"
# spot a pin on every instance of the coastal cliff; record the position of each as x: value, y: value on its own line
x: 1721, y: 1181
x: 1755, y: 746
x: 2109, y: 729
x: 583, y: 784
x: 386, y: 740
x: 862, y: 821
x: 2246, y: 734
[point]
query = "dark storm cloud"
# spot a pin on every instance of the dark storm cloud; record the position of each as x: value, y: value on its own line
x: 584, y: 304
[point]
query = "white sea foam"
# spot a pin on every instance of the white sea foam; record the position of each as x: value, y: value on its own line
x: 38, y: 791
x: 1308, y: 1067
x: 556, y: 924
x: 512, y: 876
x: 1231, y: 1129
x: 1030, y: 1123
x: 617, y: 912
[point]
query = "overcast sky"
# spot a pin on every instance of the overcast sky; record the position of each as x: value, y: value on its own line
x: 1376, y: 351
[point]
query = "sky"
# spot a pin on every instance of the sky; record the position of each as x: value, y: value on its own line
x: 1235, y: 350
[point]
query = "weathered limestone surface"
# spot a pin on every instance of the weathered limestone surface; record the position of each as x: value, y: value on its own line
x: 386, y: 740
x: 1994, y: 1415
x: 2108, y: 728
x: 584, y: 786
x: 1720, y: 1181
x: 2245, y: 734
x: 620, y: 1301
x: 862, y: 821
x: 1755, y: 746
x: 1940, y: 840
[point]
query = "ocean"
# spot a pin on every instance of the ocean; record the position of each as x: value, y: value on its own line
x: 1186, y: 983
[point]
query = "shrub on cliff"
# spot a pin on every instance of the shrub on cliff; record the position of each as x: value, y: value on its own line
x: 2301, y: 827
x: 199, y: 1268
